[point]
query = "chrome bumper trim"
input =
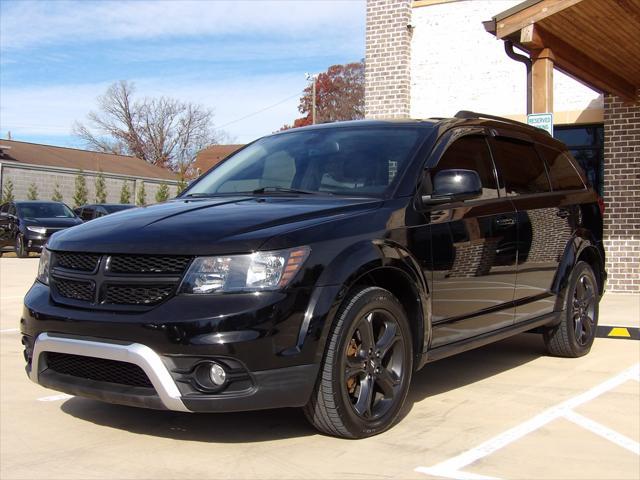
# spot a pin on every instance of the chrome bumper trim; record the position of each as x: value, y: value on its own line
x: 135, y: 353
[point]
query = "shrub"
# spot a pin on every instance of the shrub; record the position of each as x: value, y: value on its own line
x: 162, y: 194
x: 80, y: 195
x: 125, y: 193
x: 32, y: 192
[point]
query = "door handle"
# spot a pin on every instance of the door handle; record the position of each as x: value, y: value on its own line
x: 505, y: 222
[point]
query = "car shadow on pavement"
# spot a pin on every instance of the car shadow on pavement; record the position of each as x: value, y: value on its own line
x: 438, y: 377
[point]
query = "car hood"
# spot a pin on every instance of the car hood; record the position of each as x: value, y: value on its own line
x: 220, y: 225
x: 52, y: 222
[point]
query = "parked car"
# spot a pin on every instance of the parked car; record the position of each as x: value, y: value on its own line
x: 26, y: 226
x: 97, y: 210
x: 319, y: 268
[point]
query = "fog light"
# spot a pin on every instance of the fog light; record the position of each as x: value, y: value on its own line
x: 217, y: 374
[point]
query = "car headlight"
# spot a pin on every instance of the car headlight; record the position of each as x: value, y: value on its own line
x: 38, y: 230
x: 244, y: 273
x: 43, y: 266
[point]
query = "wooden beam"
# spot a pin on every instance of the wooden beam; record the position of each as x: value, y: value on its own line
x: 518, y: 20
x: 542, y: 80
x: 575, y: 63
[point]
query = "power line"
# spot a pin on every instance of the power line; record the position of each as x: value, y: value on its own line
x: 261, y: 110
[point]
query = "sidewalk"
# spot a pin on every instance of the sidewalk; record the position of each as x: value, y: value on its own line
x: 620, y: 309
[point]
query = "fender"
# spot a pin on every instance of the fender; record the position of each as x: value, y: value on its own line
x: 364, y: 261
x: 581, y: 241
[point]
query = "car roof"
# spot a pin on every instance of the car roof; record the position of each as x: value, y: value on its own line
x: 462, y: 118
x: 26, y: 202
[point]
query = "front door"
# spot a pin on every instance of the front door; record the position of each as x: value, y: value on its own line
x: 473, y: 252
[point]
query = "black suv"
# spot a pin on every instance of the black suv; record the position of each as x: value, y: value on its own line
x: 319, y: 268
x: 26, y: 225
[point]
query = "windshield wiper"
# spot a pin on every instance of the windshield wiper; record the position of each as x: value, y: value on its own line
x: 258, y: 191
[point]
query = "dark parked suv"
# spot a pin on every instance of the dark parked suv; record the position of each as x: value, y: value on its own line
x: 319, y: 268
x: 26, y: 225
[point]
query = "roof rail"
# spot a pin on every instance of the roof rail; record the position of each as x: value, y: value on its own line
x: 463, y: 114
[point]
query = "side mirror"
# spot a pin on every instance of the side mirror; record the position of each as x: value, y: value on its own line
x: 454, y: 185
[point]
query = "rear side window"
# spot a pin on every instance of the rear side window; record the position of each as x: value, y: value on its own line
x: 520, y: 169
x: 471, y: 153
x: 562, y: 173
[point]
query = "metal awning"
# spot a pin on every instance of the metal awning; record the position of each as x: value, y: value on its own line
x: 594, y: 41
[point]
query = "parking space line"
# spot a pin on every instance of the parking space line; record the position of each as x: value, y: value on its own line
x: 605, y: 432
x: 452, y: 468
x: 9, y: 330
x: 55, y: 398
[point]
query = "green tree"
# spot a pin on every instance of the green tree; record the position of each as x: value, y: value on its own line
x: 125, y: 193
x: 80, y: 195
x: 101, y: 188
x: 56, y: 196
x: 162, y: 194
x: 7, y: 192
x: 182, y: 184
x: 142, y: 195
x: 32, y: 192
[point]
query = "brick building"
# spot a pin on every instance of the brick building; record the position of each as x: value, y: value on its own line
x: 431, y: 58
x: 49, y: 167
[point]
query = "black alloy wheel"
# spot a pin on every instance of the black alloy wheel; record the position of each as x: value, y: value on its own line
x: 373, y: 364
x: 367, y: 366
x: 574, y: 335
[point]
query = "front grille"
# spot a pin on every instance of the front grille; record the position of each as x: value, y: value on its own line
x: 115, y: 282
x: 76, y: 290
x: 148, y: 264
x: 84, y: 262
x: 98, y: 369
x: 137, y: 294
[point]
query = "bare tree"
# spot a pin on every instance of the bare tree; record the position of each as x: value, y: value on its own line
x: 162, y: 131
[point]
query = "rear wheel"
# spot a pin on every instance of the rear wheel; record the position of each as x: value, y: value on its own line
x: 575, y: 334
x: 366, y: 369
x: 21, y: 251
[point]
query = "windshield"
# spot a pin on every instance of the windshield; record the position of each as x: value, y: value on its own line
x: 340, y: 161
x: 44, y: 210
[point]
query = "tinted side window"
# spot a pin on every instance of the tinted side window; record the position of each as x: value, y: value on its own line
x: 12, y: 209
x: 519, y: 167
x: 87, y: 213
x: 562, y: 174
x: 4, y: 208
x: 471, y: 153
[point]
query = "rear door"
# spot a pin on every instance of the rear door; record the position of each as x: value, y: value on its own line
x: 473, y: 275
x: 544, y: 223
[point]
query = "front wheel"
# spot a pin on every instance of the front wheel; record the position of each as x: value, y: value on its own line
x: 574, y: 335
x: 367, y: 366
x: 21, y: 251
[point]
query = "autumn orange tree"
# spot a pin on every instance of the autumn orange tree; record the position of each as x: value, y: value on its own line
x: 339, y: 96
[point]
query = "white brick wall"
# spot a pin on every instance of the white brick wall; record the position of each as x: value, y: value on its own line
x: 457, y: 65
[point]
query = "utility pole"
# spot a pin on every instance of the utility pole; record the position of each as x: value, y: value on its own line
x: 313, y: 78
x: 313, y: 108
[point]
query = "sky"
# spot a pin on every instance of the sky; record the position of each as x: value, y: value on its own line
x: 244, y: 59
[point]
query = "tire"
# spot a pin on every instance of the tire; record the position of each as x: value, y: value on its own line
x: 21, y: 252
x: 360, y: 391
x: 575, y: 334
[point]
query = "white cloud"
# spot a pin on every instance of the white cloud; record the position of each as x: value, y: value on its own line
x: 33, y: 23
x: 52, y: 110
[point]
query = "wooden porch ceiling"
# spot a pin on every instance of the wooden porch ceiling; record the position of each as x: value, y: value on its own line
x: 595, y: 41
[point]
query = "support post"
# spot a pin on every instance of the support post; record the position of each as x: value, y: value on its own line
x: 542, y: 78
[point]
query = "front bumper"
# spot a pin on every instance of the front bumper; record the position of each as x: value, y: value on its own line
x: 287, y: 387
x: 270, y: 344
x: 35, y: 243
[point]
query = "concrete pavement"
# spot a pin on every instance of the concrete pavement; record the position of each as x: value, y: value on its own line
x: 512, y: 410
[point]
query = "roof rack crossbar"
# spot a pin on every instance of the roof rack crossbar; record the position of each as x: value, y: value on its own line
x: 463, y: 114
